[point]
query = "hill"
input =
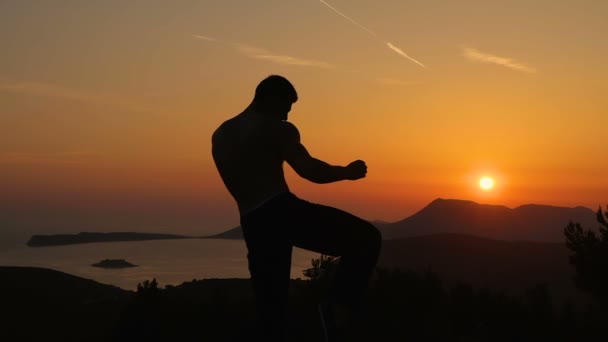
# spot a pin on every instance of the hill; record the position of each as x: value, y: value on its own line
x: 400, y: 306
x: 509, y: 266
x: 43, y: 303
x: 531, y: 222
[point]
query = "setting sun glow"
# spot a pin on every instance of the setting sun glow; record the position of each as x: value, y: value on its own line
x: 486, y: 183
x: 120, y: 137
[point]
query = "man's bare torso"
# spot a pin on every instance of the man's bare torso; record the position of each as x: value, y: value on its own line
x: 247, y: 152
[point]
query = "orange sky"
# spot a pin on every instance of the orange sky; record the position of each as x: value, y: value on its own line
x: 107, y: 108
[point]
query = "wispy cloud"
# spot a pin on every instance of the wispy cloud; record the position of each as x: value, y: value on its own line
x: 372, y: 33
x: 249, y: 50
x: 477, y: 56
x: 399, y: 51
x: 57, y: 91
x: 259, y: 53
x: 209, y: 39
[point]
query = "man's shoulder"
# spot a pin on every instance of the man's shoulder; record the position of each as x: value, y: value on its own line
x: 288, y: 125
x: 221, y: 130
x: 288, y: 129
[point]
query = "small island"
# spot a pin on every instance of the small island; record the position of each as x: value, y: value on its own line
x: 113, y: 263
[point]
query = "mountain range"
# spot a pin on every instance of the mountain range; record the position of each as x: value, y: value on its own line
x: 531, y: 222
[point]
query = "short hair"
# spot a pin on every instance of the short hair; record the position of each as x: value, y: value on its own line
x: 273, y: 87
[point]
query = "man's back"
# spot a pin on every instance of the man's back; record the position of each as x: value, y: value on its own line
x: 247, y: 152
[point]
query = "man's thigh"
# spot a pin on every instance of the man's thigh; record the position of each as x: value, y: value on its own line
x: 327, y: 230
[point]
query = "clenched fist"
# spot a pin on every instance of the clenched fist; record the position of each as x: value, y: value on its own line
x: 356, y: 170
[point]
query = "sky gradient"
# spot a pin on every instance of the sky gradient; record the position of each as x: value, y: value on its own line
x: 107, y: 108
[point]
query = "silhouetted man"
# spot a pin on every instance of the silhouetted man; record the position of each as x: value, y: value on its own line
x: 249, y: 151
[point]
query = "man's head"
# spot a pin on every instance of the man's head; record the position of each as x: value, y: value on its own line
x: 274, y: 96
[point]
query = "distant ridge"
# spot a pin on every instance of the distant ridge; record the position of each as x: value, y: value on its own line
x: 86, y: 237
x: 235, y: 233
x: 530, y: 222
x: 533, y: 222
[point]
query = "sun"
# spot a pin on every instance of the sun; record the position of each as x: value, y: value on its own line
x: 486, y: 183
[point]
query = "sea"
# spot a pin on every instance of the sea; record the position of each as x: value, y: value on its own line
x: 171, y: 262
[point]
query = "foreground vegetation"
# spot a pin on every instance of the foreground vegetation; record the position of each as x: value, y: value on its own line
x: 401, y: 306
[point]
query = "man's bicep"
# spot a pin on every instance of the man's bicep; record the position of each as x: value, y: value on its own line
x: 294, y: 153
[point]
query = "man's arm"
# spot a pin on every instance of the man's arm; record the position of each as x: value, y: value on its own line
x: 315, y: 170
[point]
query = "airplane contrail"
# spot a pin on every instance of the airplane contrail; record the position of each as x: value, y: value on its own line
x: 399, y: 51
x: 390, y: 46
x: 475, y: 55
x: 349, y: 19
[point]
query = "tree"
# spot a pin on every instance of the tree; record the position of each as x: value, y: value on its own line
x: 590, y: 256
x: 148, y: 287
x: 321, y: 275
x: 321, y: 268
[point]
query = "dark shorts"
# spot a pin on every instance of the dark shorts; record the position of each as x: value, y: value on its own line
x: 288, y: 220
x: 285, y: 221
